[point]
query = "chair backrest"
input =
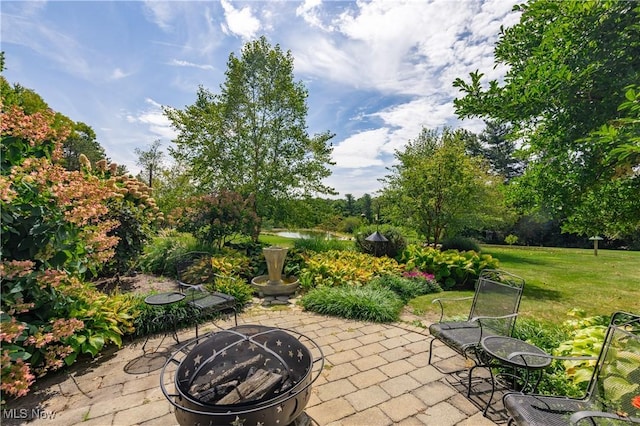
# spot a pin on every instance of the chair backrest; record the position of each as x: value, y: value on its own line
x: 497, y: 294
x: 615, y: 384
x: 184, y: 263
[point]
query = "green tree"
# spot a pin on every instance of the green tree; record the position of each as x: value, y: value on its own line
x: 251, y: 138
x: 366, y: 207
x: 500, y: 151
x: 150, y: 160
x: 349, y: 208
x: 439, y: 190
x: 82, y: 140
x: 570, y: 63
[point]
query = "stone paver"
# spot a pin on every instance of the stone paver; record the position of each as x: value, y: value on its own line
x: 375, y: 374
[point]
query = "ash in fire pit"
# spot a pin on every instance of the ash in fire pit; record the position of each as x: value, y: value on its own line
x: 253, y: 373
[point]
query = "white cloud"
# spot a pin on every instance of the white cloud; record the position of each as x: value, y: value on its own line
x: 361, y: 149
x: 181, y: 63
x: 154, y: 120
x: 240, y: 22
x: 160, y: 13
x: 118, y: 74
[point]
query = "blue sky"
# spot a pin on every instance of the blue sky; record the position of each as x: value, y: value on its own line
x: 376, y: 71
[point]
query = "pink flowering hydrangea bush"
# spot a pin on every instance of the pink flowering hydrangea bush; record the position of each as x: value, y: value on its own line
x: 56, y: 226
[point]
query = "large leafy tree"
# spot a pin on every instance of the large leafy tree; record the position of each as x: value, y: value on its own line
x: 439, y: 190
x: 251, y: 138
x: 570, y: 63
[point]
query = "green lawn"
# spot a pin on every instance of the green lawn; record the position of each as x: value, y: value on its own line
x: 559, y: 280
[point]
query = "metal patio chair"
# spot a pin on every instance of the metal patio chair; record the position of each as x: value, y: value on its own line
x: 198, y: 296
x: 493, y: 312
x: 613, y: 393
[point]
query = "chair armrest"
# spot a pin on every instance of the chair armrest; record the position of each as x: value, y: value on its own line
x: 480, y: 318
x: 448, y: 299
x: 485, y: 317
x: 581, y: 415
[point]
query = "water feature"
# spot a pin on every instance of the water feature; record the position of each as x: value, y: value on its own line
x: 274, y: 287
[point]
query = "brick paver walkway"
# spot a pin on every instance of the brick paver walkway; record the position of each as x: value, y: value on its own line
x: 374, y: 374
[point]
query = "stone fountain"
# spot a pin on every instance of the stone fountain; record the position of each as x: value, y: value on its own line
x: 275, y: 288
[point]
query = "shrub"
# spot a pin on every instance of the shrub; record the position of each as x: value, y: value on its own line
x: 237, y: 288
x: 392, y: 248
x: 452, y: 269
x: 460, y: 243
x: 216, y: 219
x: 406, y: 288
x: 220, y: 274
x: 579, y: 337
x: 349, y: 225
x: 317, y: 244
x: 61, y: 227
x: 367, y: 303
x: 160, y: 254
x: 334, y: 268
x: 152, y: 319
x: 511, y: 239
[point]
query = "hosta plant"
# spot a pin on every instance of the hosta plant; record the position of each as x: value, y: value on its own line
x: 337, y: 267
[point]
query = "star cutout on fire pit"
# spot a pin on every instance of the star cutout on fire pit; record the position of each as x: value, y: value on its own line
x: 238, y: 421
x: 197, y: 359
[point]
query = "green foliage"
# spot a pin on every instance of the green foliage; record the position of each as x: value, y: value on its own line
x: 317, y: 244
x: 348, y: 225
x: 269, y: 153
x: 459, y: 243
x: 159, y: 319
x: 61, y: 224
x: 221, y: 273
x: 391, y: 248
x: 570, y: 65
x: 548, y: 337
x: 81, y: 141
x: 452, y: 269
x: 511, y: 239
x: 235, y: 287
x: 163, y: 250
x: 367, y: 303
x: 335, y: 268
x: 151, y: 162
x: 406, y: 287
x: 439, y: 190
x: 106, y: 319
x: 216, y: 219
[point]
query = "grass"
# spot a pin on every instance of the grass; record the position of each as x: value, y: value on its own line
x: 559, y: 280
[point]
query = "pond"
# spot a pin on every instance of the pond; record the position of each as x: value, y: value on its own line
x: 306, y: 234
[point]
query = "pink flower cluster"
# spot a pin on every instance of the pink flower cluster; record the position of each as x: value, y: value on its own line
x: 16, y: 376
x: 16, y: 269
x: 419, y: 274
x: 35, y: 128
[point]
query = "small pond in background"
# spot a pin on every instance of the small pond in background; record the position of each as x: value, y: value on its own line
x: 307, y: 234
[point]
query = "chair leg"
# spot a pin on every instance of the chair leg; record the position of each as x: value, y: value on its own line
x: 430, y: 349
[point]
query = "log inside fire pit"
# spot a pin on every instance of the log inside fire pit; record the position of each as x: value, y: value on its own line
x: 254, y: 373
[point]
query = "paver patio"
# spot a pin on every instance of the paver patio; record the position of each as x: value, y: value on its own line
x: 374, y: 374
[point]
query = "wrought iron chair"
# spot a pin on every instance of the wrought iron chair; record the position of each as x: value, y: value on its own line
x: 198, y: 296
x: 493, y: 312
x: 613, y: 393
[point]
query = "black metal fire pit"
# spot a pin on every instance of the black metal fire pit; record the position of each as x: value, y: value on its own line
x: 246, y: 375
